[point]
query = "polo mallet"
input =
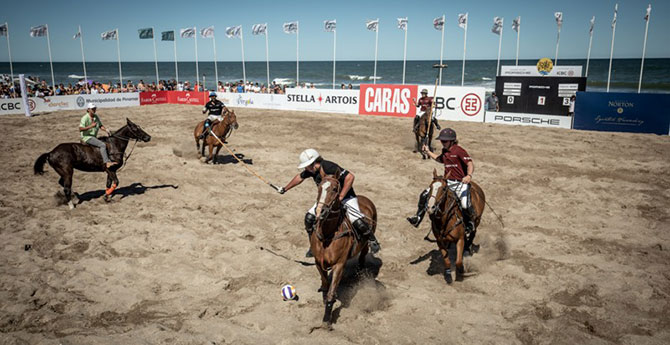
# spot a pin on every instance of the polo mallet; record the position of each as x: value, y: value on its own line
x: 427, y: 138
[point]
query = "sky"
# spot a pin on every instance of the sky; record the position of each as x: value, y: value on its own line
x: 537, y: 36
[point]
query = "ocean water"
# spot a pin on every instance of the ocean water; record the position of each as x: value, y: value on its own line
x: 625, y: 72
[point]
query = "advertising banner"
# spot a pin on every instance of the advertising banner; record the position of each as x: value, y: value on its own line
x: 534, y: 71
x: 387, y: 99
x: 537, y: 95
x: 539, y: 120
x: 11, y: 106
x: 108, y: 100
x: 456, y: 103
x: 253, y: 100
x: 153, y: 97
x: 622, y: 112
x: 323, y: 100
x: 188, y: 97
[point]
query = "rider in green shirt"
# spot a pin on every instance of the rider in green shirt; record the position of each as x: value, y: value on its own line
x: 89, y: 126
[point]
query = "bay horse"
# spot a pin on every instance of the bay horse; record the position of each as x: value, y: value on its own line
x: 334, y: 240
x: 423, y: 135
x: 447, y: 221
x: 68, y: 156
x: 222, y: 129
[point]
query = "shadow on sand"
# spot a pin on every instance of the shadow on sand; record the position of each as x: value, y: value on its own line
x: 136, y: 188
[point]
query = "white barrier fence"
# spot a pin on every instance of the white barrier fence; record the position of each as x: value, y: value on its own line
x: 71, y: 102
x: 318, y: 100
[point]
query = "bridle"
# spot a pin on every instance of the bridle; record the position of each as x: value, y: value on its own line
x: 329, y: 207
x: 116, y: 135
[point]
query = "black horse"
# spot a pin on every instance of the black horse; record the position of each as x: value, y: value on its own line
x: 68, y: 156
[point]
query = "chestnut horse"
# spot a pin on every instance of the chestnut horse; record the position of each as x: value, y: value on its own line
x: 423, y: 135
x: 446, y: 217
x: 69, y: 156
x: 334, y: 241
x: 222, y: 129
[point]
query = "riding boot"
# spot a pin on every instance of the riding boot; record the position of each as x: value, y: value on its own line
x: 416, y: 219
x: 310, y: 220
x: 437, y: 125
x: 204, y: 129
x: 416, y: 124
x: 470, y: 231
x: 364, y: 231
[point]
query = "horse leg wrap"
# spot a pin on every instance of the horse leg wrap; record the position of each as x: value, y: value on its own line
x: 110, y: 190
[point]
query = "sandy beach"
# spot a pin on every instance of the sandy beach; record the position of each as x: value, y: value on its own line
x: 188, y: 253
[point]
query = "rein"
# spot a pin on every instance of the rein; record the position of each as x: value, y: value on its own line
x: 126, y: 157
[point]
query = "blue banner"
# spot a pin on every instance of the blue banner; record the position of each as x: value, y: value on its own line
x: 623, y: 112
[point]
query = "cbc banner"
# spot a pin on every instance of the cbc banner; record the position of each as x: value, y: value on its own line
x: 456, y: 103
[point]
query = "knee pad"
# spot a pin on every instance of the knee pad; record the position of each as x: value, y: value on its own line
x: 310, y: 220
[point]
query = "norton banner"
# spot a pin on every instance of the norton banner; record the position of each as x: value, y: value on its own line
x: 387, y: 99
x: 456, y: 103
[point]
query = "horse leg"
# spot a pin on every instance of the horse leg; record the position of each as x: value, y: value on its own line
x: 361, y: 257
x: 338, y: 269
x: 112, y: 182
x: 447, y: 265
x: 324, y: 281
x: 210, y: 147
x: 459, y: 259
x: 216, y: 153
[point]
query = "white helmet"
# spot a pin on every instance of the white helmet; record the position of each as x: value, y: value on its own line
x: 307, y: 157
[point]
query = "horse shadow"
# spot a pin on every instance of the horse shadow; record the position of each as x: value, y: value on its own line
x: 353, y: 277
x: 136, y: 188
x: 229, y: 159
x: 436, y: 265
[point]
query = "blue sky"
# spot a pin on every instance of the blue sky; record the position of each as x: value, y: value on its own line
x: 354, y: 42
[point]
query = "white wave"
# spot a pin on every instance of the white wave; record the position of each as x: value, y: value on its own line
x: 283, y: 81
x: 486, y: 78
x: 356, y: 77
x: 373, y: 77
x: 74, y: 76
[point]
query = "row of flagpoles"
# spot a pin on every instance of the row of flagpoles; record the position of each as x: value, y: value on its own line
x: 329, y: 26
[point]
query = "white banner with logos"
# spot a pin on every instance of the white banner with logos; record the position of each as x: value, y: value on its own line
x: 71, y: 102
x: 532, y: 71
x: 323, y: 100
x: 252, y: 100
x: 457, y: 103
x: 540, y: 120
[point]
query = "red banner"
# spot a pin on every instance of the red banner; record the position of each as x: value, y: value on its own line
x: 155, y: 97
x: 387, y: 99
x: 187, y: 97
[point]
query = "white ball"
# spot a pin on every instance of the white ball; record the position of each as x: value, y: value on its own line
x: 288, y: 292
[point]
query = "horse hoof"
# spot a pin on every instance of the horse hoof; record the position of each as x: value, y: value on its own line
x: 327, y: 325
x: 108, y: 198
x: 70, y: 205
x: 448, y: 279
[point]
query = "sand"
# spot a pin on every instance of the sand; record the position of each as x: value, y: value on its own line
x: 188, y: 253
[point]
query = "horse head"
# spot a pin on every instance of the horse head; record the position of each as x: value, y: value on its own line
x: 327, y: 198
x: 231, y: 118
x: 134, y: 131
x: 438, y: 192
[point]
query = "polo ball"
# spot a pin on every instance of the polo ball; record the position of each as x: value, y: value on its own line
x: 288, y: 292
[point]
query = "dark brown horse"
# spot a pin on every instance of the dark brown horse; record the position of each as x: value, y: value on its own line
x: 69, y: 156
x: 222, y: 129
x: 423, y: 135
x: 447, y: 220
x: 334, y: 242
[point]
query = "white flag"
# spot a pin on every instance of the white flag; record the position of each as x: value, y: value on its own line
x: 233, y: 31
x: 593, y: 23
x: 438, y: 23
x: 646, y: 16
x: 372, y: 24
x: 187, y: 33
x: 38, y: 31
x: 559, y: 19
x: 207, y: 32
x: 616, y: 8
x: 109, y: 35
x: 402, y: 23
x: 463, y: 20
x: 259, y: 29
x: 516, y: 23
x: 3, y: 29
x: 77, y: 35
x: 291, y: 27
x: 329, y: 25
x: 497, y: 25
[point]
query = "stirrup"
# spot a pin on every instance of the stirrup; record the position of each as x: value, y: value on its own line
x: 414, y: 220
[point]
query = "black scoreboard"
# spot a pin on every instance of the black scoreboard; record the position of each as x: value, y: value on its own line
x: 537, y: 95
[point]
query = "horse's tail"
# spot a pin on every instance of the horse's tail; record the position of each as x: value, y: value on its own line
x: 39, y: 163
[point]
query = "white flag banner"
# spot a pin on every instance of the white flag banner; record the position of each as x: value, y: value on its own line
x: 330, y: 25
x: 402, y: 23
x: 616, y: 8
x: 646, y: 16
x: 233, y: 31
x: 559, y: 19
x: 259, y: 29
x: 3, y: 29
x: 463, y: 20
x: 291, y: 27
x: 77, y: 35
x: 593, y: 23
x: 438, y: 23
x: 516, y: 23
x: 497, y: 25
x: 187, y: 33
x: 372, y: 24
x: 207, y: 32
x: 38, y: 31
x: 109, y: 35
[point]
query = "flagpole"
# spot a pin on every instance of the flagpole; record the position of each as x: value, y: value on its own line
x: 267, y: 55
x: 376, y: 40
x: 465, y: 40
x: 518, y: 33
x: 558, y: 40
x: 588, y: 54
x: 502, y: 27
x: 176, y: 69
x: 297, y: 54
x: 644, y: 50
x: 404, y: 56
x: 118, y: 54
x: 83, y: 59
x: 244, y: 69
x: 216, y: 67
x: 609, y: 70
x: 9, y: 51
x: 53, y: 82
x: 442, y: 48
x: 153, y: 35
x: 197, y: 72
x: 334, y: 46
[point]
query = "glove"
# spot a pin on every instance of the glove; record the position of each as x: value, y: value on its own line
x: 281, y: 190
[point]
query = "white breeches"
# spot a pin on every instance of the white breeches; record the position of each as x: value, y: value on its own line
x: 350, y: 204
